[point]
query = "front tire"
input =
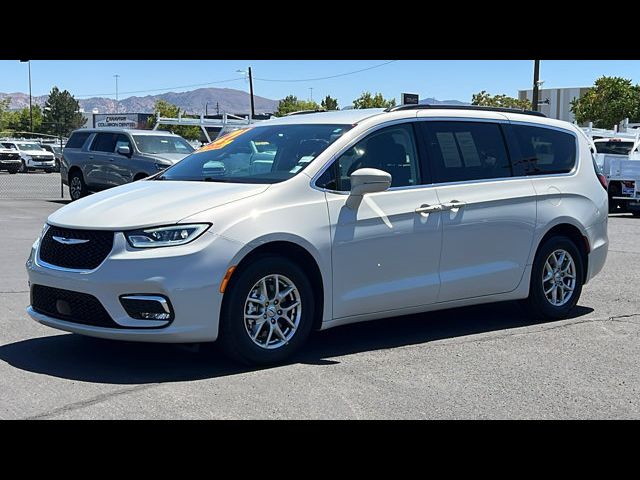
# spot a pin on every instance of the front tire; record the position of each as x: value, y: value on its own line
x: 556, y: 279
x: 268, y: 314
x: 77, y: 187
x: 23, y: 167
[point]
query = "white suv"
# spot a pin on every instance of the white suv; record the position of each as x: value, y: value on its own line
x: 32, y: 155
x: 312, y: 221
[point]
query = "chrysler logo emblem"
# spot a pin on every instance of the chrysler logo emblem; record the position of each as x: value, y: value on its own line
x: 69, y: 241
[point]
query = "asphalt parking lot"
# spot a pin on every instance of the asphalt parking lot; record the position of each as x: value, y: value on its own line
x: 488, y: 361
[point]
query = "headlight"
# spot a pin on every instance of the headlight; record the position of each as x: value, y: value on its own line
x: 165, y: 236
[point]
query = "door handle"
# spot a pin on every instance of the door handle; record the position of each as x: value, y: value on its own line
x: 453, y: 205
x: 90, y: 157
x: 425, y: 208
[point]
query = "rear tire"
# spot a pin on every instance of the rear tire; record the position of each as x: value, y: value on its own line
x: 267, y: 338
x: 77, y: 187
x: 547, y: 275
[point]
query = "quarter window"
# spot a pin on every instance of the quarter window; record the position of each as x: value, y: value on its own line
x: 391, y: 149
x: 462, y: 151
x: 543, y: 151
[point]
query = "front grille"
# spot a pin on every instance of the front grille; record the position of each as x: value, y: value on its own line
x: 9, y: 156
x: 78, y: 256
x: 70, y: 306
x: 41, y: 158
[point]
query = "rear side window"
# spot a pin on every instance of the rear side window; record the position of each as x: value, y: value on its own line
x: 543, y: 151
x: 105, y: 142
x: 462, y: 151
x: 77, y: 139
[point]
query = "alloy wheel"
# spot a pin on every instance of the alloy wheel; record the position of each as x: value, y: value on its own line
x: 272, y: 311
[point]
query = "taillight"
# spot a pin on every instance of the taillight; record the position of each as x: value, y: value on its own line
x: 603, y: 180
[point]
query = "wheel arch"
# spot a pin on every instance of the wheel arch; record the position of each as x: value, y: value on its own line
x: 294, y: 251
x: 576, y: 234
x: 72, y: 170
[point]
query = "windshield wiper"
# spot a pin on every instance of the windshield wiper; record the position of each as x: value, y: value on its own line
x: 214, y: 179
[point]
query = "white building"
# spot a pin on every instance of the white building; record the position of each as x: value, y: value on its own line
x: 555, y: 102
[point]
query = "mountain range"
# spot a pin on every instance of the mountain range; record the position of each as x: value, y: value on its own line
x: 193, y: 102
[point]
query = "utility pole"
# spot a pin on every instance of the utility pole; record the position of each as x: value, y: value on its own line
x: 536, y: 78
x: 253, y: 112
x: 311, y: 94
x: 30, y: 106
x: 217, y: 108
x: 117, y: 102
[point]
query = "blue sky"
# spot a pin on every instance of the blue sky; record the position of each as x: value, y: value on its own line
x: 442, y: 79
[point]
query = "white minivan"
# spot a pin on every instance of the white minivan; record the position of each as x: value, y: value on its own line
x: 317, y: 220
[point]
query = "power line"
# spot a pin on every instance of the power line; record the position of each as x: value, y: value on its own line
x: 326, y: 78
x: 165, y: 88
x: 240, y: 78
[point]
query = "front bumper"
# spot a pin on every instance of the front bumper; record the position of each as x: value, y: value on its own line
x: 10, y: 163
x: 188, y: 275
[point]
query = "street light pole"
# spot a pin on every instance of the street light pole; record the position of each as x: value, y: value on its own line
x: 253, y: 113
x: 117, y: 102
x: 30, y: 101
x: 536, y: 78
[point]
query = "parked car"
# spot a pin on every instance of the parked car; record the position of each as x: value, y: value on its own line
x: 325, y: 219
x: 57, y: 152
x: 97, y: 159
x: 9, y: 159
x: 619, y: 159
x: 32, y: 155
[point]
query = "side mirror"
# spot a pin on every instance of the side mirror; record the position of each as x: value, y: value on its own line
x: 369, y: 180
x: 124, y: 150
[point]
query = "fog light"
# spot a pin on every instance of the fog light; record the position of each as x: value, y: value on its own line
x: 147, y: 307
x: 155, y: 316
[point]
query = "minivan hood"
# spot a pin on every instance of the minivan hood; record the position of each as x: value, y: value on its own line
x: 169, y: 157
x: 147, y: 203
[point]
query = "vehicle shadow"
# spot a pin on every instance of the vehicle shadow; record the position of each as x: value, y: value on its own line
x: 87, y: 359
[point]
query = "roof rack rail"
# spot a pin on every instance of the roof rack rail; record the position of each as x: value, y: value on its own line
x: 304, y: 112
x: 465, y: 107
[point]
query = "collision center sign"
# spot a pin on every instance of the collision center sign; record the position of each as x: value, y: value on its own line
x: 121, y: 121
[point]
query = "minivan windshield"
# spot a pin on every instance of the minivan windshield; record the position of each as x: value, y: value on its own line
x: 258, y: 154
x: 155, y: 144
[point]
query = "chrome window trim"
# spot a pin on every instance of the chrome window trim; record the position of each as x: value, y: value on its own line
x: 571, y: 173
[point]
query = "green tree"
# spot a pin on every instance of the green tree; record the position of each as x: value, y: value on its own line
x: 166, y: 109
x: 329, y: 103
x: 4, y: 112
x: 487, y: 100
x: 20, y: 120
x: 291, y: 103
x: 61, y: 113
x: 608, y: 102
x: 366, y: 100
